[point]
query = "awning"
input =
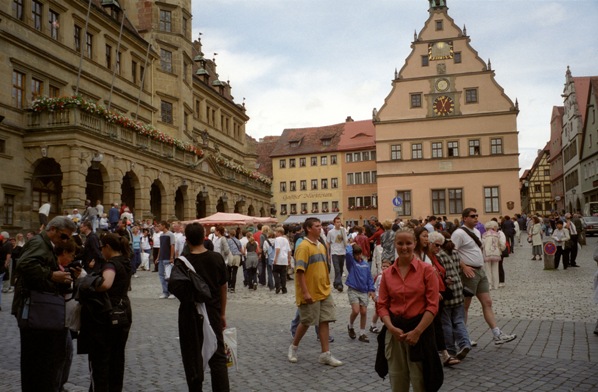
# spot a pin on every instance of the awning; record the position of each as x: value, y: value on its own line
x: 301, y: 218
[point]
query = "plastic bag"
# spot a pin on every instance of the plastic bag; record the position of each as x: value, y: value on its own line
x: 145, y: 261
x: 230, y: 348
x: 167, y: 270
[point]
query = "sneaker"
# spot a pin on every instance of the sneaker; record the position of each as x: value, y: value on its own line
x: 327, y: 359
x: 364, y: 338
x: 255, y: 286
x: 330, y: 338
x: 171, y: 296
x: 135, y: 276
x: 11, y: 289
x: 463, y: 353
x: 163, y: 296
x: 352, y: 334
x: 473, y: 343
x: 504, y: 338
x: 292, y: 354
x: 374, y: 329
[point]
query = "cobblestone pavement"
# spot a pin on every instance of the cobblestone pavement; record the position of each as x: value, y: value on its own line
x: 551, y: 312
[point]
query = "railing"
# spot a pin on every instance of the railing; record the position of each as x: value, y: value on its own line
x: 74, y: 117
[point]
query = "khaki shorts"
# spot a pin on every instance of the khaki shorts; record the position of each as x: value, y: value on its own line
x: 319, y: 312
x: 357, y: 297
x: 479, y: 283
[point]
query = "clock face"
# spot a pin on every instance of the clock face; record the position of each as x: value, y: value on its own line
x: 440, y: 50
x: 443, y: 105
x: 442, y: 85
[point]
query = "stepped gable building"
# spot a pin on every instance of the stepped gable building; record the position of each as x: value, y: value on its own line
x: 140, y: 117
x: 306, y: 173
x: 557, y: 185
x: 575, y: 94
x: 589, y: 147
x: 357, y: 149
x: 446, y: 136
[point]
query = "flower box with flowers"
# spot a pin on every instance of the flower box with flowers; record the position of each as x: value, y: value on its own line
x: 46, y: 104
x: 314, y: 211
x: 325, y: 210
x: 304, y: 212
x: 335, y: 210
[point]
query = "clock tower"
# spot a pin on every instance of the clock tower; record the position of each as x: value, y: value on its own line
x: 446, y: 135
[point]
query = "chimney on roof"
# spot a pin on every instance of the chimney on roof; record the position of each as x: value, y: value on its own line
x: 349, y: 119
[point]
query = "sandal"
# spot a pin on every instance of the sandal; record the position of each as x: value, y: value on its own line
x: 451, y: 360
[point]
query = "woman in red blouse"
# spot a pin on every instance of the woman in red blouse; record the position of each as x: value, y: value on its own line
x: 407, y: 304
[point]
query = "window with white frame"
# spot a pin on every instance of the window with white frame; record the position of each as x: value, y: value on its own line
x: 334, y: 183
x: 282, y: 163
x: 437, y: 150
x: 496, y: 146
x: 324, y: 160
x: 455, y: 197
x: 293, y: 186
x: 406, y: 197
x: 314, y: 185
x: 453, y: 148
x: 474, y: 147
x: 417, y: 151
x: 395, y: 152
x: 283, y: 186
x: 491, y: 199
x: 438, y: 201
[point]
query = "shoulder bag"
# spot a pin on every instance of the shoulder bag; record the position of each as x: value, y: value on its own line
x: 44, y: 311
x: 186, y: 284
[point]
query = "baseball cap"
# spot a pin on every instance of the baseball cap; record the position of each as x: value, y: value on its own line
x: 5, y: 234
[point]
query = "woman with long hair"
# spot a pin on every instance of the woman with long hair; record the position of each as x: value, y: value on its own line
x: 422, y: 243
x: 251, y: 261
x: 104, y: 336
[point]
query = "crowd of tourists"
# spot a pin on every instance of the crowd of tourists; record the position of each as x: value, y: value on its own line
x: 421, y: 275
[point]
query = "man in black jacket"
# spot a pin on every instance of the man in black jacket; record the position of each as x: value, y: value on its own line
x: 43, y: 352
x: 92, y: 254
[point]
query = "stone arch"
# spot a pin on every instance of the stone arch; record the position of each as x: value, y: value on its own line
x: 201, y: 204
x: 130, y: 189
x: 251, y: 210
x: 222, y: 204
x: 179, y: 202
x: 157, y: 200
x: 94, y: 180
x: 46, y: 185
x: 263, y: 212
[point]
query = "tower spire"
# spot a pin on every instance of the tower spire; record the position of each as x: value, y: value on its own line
x: 437, y: 4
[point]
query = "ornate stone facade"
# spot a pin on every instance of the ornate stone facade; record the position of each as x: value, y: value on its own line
x: 153, y: 126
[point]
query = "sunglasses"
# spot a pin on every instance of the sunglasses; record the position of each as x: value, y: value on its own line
x: 473, y: 216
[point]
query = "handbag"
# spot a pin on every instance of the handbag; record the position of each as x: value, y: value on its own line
x: 43, y: 310
x: 186, y: 284
x: 119, y: 316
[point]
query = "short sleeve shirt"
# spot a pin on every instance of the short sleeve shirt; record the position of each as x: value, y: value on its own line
x: 311, y: 258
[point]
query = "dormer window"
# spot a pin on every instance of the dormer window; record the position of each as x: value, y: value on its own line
x: 326, y: 142
x: 295, y: 143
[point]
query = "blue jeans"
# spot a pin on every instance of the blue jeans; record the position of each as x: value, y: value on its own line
x: 270, y: 276
x: 455, y: 332
x: 338, y: 262
x: 135, y: 261
x: 161, y: 270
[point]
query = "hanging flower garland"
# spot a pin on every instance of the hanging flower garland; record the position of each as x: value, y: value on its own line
x: 45, y: 104
x: 241, y: 169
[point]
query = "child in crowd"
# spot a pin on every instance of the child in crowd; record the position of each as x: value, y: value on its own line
x: 361, y: 285
x: 385, y: 264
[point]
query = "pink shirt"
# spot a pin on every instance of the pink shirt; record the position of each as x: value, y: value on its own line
x: 410, y: 296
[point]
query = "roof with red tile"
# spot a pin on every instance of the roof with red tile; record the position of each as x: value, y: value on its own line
x: 300, y: 141
x: 358, y: 135
x: 582, y: 88
x: 263, y: 149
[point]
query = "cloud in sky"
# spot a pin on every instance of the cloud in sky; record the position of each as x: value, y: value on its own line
x: 303, y: 63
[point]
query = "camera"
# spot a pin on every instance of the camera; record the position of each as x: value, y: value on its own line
x: 75, y: 264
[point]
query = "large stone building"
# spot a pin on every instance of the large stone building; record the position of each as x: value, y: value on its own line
x: 446, y: 136
x: 151, y: 125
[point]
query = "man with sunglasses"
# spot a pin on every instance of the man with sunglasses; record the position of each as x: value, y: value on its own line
x: 467, y: 240
x: 43, y: 352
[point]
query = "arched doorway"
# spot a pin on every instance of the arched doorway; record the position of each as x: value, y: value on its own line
x: 200, y: 205
x: 262, y: 212
x: 179, y: 204
x: 221, y: 205
x: 250, y: 211
x: 127, y: 193
x: 156, y: 201
x: 94, y: 180
x: 47, y: 185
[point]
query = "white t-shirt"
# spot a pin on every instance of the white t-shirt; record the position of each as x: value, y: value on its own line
x: 45, y: 209
x: 156, y: 239
x: 470, y: 252
x: 244, y: 242
x: 285, y: 249
x: 338, y: 241
x: 179, y: 243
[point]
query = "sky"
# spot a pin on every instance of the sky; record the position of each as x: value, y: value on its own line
x: 306, y: 63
